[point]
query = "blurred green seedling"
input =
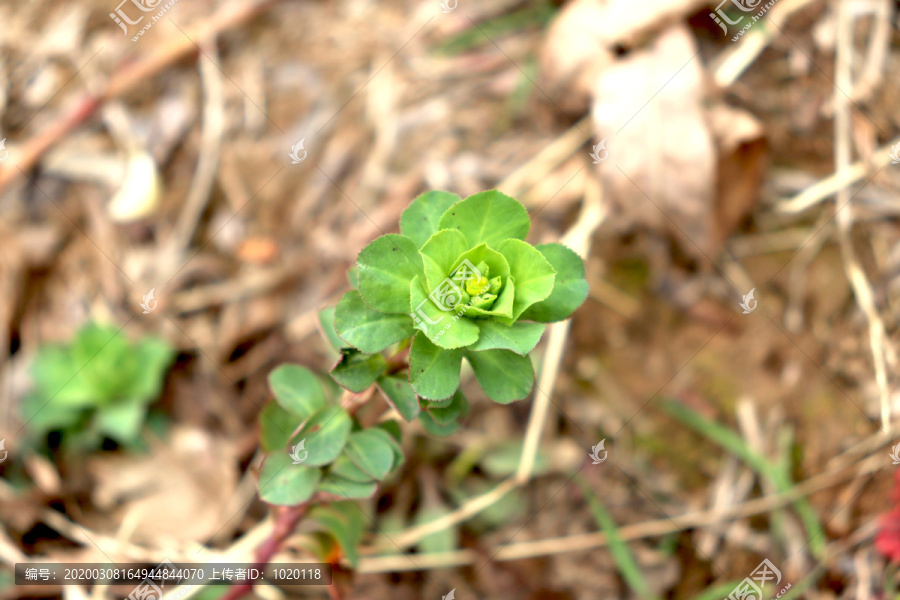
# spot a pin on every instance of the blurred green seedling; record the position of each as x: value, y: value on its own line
x: 97, y: 387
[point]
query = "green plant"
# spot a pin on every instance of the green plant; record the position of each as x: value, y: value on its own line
x: 458, y: 282
x: 98, y: 386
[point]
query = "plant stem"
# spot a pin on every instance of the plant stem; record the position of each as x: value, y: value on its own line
x: 287, y: 520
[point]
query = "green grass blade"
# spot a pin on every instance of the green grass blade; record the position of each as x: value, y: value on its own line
x: 626, y: 563
x: 778, y: 475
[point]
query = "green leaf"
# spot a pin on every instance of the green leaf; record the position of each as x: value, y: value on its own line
x: 392, y: 429
x: 276, y: 426
x: 439, y: 254
x: 154, y: 357
x: 420, y: 219
x: 346, y: 524
x: 533, y: 275
x: 386, y: 268
x: 519, y: 337
x: 353, y: 277
x: 433, y: 371
x: 487, y: 217
x: 121, y: 421
x: 325, y: 434
x: 367, y: 329
x: 399, y: 395
x: 285, y: 484
x: 570, y: 288
x: 356, y: 371
x: 345, y: 488
x: 434, y: 428
x: 457, y: 409
x: 106, y: 360
x: 58, y: 378
x: 326, y: 328
x: 445, y: 329
x: 346, y: 468
x: 371, y: 452
x: 503, y: 375
x: 297, y: 390
x: 42, y: 416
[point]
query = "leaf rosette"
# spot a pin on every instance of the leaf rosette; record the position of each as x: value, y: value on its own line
x: 459, y: 282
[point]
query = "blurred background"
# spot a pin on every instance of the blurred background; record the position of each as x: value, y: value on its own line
x: 196, y: 187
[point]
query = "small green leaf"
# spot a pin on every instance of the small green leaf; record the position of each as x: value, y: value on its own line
x: 447, y: 329
x: 297, y: 390
x: 386, y: 268
x: 345, y: 488
x: 519, y: 337
x: 487, y: 217
x: 433, y: 371
x: 392, y: 429
x: 325, y: 435
x: 569, y: 288
x: 439, y: 254
x: 346, y: 524
x: 154, y: 357
x: 367, y: 329
x: 326, y: 328
x: 432, y: 427
x: 371, y: 452
x: 121, y: 421
x: 275, y: 427
x: 344, y: 467
x: 356, y: 371
x: 353, y: 277
x: 59, y: 378
x: 503, y: 375
x: 533, y: 274
x: 399, y: 395
x: 457, y: 409
x: 285, y: 484
x: 420, y: 219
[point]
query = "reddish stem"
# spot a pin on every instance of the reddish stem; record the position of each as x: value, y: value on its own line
x: 287, y: 520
